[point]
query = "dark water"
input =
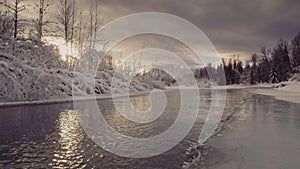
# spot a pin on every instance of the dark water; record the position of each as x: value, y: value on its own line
x: 50, y: 136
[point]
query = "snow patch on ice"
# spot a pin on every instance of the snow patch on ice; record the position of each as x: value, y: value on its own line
x: 287, y: 91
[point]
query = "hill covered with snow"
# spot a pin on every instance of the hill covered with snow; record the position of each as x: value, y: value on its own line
x: 33, y: 70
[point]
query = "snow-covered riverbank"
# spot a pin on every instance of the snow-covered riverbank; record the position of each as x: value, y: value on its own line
x: 32, y: 71
x: 287, y: 91
x: 70, y: 99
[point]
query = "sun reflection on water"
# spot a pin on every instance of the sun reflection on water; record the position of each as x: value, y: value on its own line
x: 141, y: 104
x: 69, y: 153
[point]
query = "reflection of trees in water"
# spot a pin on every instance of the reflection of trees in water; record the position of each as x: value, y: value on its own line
x: 141, y: 104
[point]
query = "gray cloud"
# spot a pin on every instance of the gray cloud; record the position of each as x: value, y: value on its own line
x: 234, y: 26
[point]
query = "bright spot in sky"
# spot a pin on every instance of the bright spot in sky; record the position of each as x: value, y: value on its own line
x: 64, y: 49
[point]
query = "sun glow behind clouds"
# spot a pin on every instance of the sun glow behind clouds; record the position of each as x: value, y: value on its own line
x: 64, y: 49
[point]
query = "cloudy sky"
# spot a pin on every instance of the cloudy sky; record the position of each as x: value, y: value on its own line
x: 234, y: 26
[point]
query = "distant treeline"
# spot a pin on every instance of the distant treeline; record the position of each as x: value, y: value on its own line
x: 269, y: 66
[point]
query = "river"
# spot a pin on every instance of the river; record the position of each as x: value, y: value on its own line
x: 263, y: 134
x: 50, y: 136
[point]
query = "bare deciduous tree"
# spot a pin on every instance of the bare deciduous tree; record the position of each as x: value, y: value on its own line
x: 42, y: 8
x: 15, y: 7
x: 95, y: 23
x: 6, y: 21
x: 65, y: 17
x: 82, y: 33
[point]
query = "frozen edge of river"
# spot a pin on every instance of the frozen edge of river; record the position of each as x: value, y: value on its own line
x: 289, y: 93
x: 281, y: 93
x: 199, y: 152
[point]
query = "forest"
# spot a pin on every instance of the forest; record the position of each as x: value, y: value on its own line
x: 269, y: 66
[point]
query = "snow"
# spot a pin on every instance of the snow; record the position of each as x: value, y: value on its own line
x: 291, y: 87
x: 32, y: 71
x: 69, y: 99
x: 287, y: 91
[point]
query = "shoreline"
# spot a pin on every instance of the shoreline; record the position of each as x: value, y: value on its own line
x: 289, y: 96
x: 202, y: 150
x: 109, y: 96
x: 70, y: 99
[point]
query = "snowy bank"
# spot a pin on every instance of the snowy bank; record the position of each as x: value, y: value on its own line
x: 71, y: 99
x: 287, y: 91
x: 31, y: 70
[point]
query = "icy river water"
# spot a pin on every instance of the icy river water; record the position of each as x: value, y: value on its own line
x: 50, y: 136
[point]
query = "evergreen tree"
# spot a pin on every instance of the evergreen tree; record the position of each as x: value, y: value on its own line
x: 236, y: 77
x: 225, y: 71
x: 259, y: 74
x: 252, y: 77
x: 295, y: 50
x: 239, y: 67
x: 274, y: 78
x: 235, y: 64
x: 220, y: 75
x: 247, y: 69
x: 281, y: 61
x: 253, y: 72
x: 232, y: 76
x: 265, y: 66
x: 230, y: 72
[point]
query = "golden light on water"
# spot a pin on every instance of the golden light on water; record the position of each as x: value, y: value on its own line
x: 69, y: 153
x: 64, y: 49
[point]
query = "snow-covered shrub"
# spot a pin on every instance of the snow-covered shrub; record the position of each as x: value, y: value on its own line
x: 32, y: 52
x: 33, y: 70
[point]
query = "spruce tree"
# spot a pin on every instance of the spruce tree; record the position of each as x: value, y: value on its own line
x: 281, y: 61
x: 240, y: 67
x: 265, y: 66
x: 274, y: 78
x: 295, y: 50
